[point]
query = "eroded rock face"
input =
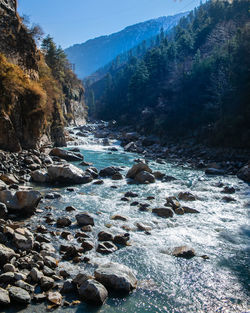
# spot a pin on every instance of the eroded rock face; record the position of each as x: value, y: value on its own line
x: 68, y: 174
x: 116, y: 276
x: 94, y: 292
x: 24, y: 202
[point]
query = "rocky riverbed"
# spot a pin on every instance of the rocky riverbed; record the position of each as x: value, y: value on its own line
x: 97, y: 224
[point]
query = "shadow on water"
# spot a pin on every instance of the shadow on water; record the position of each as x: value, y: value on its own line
x: 239, y: 261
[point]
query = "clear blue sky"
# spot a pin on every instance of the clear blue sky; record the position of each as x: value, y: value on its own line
x: 75, y: 21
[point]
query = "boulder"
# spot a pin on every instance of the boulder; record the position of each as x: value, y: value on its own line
x: 54, y: 298
x: 186, y: 196
x: 189, y: 210
x: 23, y: 239
x: 163, y: 212
x: 66, y: 155
x: 105, y: 236
x: 144, y: 178
x: 7, y: 278
x: 244, y: 173
x: 63, y: 222
x: 19, y: 295
x: 21, y: 201
x: 108, y: 171
x: 92, y: 291
x: 184, y: 252
x: 40, y: 176
x: 131, y: 147
x: 106, y: 247
x: 5, y: 254
x: 4, y: 297
x: 8, y: 179
x: 46, y: 283
x: 3, y: 210
x: 3, y: 186
x: 137, y: 168
x: 68, y: 174
x: 84, y: 219
x: 116, y: 276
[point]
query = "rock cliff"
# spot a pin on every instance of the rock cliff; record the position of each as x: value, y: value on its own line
x: 34, y: 106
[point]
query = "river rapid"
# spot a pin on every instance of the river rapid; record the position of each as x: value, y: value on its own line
x: 166, y: 283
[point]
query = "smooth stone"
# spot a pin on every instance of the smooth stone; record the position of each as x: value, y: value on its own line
x: 186, y: 196
x: 163, y: 212
x: 4, y: 297
x: 116, y: 276
x: 106, y: 247
x: 63, y: 222
x: 105, y: 236
x: 19, y: 295
x: 46, y: 283
x: 84, y: 219
x: 137, y: 168
x: 94, y: 292
x: 66, y: 155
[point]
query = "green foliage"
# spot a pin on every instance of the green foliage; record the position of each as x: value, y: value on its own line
x: 195, y: 78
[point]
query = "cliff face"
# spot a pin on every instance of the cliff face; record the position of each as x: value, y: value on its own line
x: 34, y: 107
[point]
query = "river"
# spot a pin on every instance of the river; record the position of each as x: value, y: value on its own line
x: 166, y: 283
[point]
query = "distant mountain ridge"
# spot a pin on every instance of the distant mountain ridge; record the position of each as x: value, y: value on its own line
x: 95, y: 53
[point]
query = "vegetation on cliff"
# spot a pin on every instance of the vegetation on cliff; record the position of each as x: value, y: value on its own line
x: 194, y: 82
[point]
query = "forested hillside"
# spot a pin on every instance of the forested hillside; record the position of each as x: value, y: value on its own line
x: 194, y: 82
x: 95, y: 53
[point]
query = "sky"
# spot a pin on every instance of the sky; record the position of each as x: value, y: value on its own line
x: 75, y: 21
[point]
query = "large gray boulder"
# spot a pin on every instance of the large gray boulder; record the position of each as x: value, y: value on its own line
x: 5, y: 254
x: 92, y: 291
x: 24, y: 201
x: 137, y: 168
x: 4, y: 297
x: 66, y: 155
x: 116, y: 276
x: 244, y: 173
x: 40, y: 176
x: 84, y: 219
x: 144, y: 178
x: 68, y: 174
x: 23, y: 239
x: 19, y: 295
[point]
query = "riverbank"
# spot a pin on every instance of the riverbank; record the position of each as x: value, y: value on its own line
x: 100, y: 216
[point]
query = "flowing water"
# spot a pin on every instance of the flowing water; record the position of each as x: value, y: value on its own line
x: 166, y: 284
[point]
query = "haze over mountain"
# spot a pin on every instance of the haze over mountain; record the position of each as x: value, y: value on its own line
x: 95, y: 53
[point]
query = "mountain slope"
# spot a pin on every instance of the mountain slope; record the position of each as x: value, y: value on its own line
x: 95, y: 53
x: 194, y: 83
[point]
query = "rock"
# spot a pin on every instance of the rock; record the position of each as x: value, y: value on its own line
x: 9, y: 179
x: 80, y: 279
x: 119, y: 218
x: 19, y: 295
x: 158, y: 175
x: 186, y: 196
x: 23, y: 239
x: 116, y: 276
x: 228, y: 190
x: 144, y: 178
x: 66, y: 155
x: 143, y: 227
x: 46, y: 283
x: 106, y: 247
x: 98, y: 182
x: 121, y: 239
x: 214, y: 171
x: 130, y: 194
x: 9, y: 268
x: 184, y: 252
x: 84, y: 219
x: 35, y: 275
x: 7, y: 278
x: 87, y: 245
x: 24, y: 202
x: 40, y: 176
x: 70, y: 209
x: 68, y: 287
x: 68, y: 174
x: 125, y: 199
x: 117, y: 176
x: 137, y: 168
x: 3, y: 210
x: 3, y: 186
x: 105, y: 236
x: 25, y: 286
x: 55, y: 298
x: 5, y: 254
x: 63, y: 222
x: 39, y: 297
x: 189, y: 210
x: 244, y: 173
x: 50, y: 261
x: 53, y: 195
x: 131, y: 147
x: 179, y: 211
x: 4, y: 297
x: 87, y: 229
x: 108, y: 171
x: 228, y: 199
x: 94, y: 292
x: 163, y: 212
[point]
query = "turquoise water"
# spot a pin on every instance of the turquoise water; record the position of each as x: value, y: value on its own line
x: 166, y: 283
